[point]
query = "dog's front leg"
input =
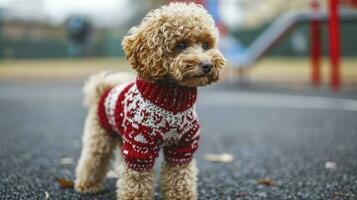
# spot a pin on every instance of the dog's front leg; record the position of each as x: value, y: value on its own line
x: 96, y: 153
x: 135, y: 184
x: 178, y: 182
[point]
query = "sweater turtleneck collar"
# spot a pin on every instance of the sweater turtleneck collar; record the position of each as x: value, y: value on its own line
x: 167, y: 95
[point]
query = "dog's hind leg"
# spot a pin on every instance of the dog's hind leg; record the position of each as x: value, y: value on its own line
x: 97, y: 150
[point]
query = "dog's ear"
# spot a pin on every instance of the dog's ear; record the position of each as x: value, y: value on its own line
x: 143, y: 50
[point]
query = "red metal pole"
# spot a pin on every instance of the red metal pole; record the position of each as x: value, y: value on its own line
x: 315, y: 51
x: 334, y: 44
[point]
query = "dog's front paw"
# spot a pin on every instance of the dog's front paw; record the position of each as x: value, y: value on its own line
x: 87, y: 187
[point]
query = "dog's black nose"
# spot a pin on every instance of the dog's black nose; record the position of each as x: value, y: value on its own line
x: 206, y: 67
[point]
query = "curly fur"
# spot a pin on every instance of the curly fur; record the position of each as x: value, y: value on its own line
x: 151, y: 49
x: 135, y: 185
x: 98, y: 83
x: 179, y: 182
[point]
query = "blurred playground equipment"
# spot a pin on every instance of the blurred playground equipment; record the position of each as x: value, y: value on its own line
x: 285, y: 24
x: 251, y: 30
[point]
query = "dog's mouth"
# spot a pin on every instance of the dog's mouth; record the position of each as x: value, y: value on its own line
x: 200, y: 76
x: 195, y: 80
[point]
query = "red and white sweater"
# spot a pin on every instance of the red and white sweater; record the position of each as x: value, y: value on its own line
x: 149, y: 116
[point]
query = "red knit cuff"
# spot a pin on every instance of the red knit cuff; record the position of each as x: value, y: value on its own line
x: 137, y: 166
x: 179, y: 161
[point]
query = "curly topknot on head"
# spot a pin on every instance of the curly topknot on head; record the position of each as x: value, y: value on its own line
x: 174, y: 41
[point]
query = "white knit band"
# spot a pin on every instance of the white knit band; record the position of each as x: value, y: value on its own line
x: 110, y: 104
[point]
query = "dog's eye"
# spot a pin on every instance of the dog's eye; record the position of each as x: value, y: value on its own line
x: 181, y: 46
x: 205, y: 45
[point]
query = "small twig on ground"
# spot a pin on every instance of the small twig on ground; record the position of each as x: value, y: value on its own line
x: 341, y: 194
x: 240, y: 194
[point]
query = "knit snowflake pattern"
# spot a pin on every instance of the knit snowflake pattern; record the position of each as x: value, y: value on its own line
x: 146, y: 126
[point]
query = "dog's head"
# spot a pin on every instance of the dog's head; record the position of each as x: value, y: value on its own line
x: 177, y: 41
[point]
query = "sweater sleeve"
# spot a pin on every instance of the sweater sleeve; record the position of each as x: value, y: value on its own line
x: 182, y: 152
x: 138, y: 151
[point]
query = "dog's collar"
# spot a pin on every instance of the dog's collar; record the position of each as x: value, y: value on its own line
x: 169, y: 96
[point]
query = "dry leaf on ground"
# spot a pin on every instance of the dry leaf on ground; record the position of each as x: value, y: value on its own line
x: 267, y: 182
x: 330, y: 165
x: 65, y: 183
x: 66, y: 161
x: 224, y: 157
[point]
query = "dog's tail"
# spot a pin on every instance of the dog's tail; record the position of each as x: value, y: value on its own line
x: 98, y: 83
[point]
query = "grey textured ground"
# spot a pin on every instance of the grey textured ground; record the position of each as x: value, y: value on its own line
x: 279, y: 135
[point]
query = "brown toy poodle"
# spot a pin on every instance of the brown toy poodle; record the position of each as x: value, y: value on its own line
x: 173, y: 50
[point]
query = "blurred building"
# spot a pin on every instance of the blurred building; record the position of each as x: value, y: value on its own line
x: 25, y: 10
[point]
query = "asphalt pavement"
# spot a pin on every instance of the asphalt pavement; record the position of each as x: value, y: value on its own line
x: 280, y: 135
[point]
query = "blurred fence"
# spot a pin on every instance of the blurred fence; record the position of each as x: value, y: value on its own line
x: 33, y: 40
